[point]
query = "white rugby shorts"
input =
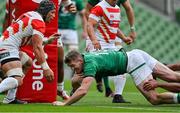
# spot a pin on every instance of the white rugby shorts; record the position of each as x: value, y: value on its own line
x: 8, y: 54
x: 68, y: 37
x: 140, y: 65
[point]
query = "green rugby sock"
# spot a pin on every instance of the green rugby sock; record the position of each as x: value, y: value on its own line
x: 178, y: 97
x: 106, y: 82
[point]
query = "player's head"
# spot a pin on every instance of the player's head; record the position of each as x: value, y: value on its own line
x: 47, y: 10
x: 74, y: 60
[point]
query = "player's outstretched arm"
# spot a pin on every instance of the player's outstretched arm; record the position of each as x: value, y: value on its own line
x: 79, y: 93
x: 51, y: 38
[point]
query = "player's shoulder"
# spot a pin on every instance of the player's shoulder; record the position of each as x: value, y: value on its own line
x: 34, y: 15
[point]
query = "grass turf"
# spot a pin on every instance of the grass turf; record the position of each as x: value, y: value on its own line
x: 96, y: 102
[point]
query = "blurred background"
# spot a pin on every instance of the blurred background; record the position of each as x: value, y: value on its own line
x: 157, y: 25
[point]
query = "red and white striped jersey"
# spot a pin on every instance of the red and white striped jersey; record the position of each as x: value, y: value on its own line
x: 20, y: 32
x: 108, y: 18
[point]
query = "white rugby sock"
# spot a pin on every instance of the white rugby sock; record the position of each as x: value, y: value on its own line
x: 119, y: 83
x: 8, y: 83
x: 11, y: 95
x: 60, y: 86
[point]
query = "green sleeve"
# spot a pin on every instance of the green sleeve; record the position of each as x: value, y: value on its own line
x: 120, y: 2
x: 93, y: 2
x: 79, y: 5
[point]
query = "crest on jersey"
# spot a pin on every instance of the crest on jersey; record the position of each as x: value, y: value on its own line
x: 111, y: 16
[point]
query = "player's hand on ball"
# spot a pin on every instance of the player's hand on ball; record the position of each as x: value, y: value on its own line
x: 57, y: 103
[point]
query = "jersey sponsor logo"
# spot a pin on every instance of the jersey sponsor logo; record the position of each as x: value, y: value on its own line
x: 3, y: 55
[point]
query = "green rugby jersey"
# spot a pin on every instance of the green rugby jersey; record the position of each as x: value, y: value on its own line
x: 94, y: 2
x: 67, y: 20
x: 104, y: 63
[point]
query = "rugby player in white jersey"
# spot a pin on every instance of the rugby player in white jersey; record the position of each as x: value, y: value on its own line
x: 27, y: 29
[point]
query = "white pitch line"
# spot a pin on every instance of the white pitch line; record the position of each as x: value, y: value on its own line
x: 133, y: 108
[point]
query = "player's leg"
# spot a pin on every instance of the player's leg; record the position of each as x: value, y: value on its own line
x: 119, y: 82
x: 12, y: 68
x: 140, y: 66
x: 163, y: 72
x: 99, y: 84
x: 26, y: 61
x: 108, y: 91
x: 174, y: 67
x: 157, y: 98
x: 11, y: 95
x: 159, y: 70
x: 60, y: 86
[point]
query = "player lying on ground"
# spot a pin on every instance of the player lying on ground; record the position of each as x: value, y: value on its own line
x: 137, y: 63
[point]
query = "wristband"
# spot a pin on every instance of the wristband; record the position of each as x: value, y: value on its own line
x: 132, y: 28
x: 45, y: 66
x: 67, y: 3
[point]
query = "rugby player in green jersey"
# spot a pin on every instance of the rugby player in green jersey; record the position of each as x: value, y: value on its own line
x: 137, y: 63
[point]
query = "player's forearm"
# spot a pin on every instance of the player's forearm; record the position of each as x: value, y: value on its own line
x: 39, y: 54
x: 173, y: 87
x: 121, y: 35
x: 91, y: 33
x: 174, y: 67
x: 38, y: 49
x: 78, y: 94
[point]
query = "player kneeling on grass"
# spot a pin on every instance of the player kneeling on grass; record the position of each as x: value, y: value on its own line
x: 137, y: 63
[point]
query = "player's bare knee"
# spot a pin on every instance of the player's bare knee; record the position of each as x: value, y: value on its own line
x: 153, y: 99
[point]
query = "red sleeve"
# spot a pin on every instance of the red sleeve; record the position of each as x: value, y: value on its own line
x: 38, y: 25
x: 97, y: 10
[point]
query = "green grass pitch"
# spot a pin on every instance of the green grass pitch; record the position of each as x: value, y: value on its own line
x: 96, y: 102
